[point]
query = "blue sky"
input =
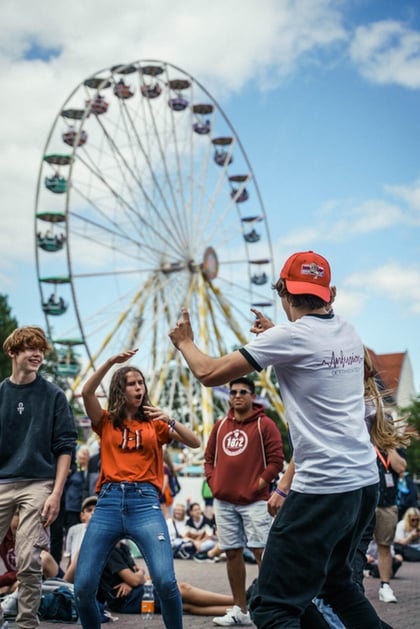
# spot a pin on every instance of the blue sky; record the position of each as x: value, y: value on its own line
x: 324, y: 97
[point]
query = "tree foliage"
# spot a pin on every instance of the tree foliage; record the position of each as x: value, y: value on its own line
x: 413, y: 451
x: 7, y: 324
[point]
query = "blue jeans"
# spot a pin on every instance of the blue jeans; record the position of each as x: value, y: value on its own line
x: 127, y: 510
x: 309, y: 552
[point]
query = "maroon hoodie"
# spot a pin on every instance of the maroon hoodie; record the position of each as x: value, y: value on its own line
x: 7, y: 553
x: 239, y: 453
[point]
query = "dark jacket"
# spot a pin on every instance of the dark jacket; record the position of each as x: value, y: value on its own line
x: 36, y: 426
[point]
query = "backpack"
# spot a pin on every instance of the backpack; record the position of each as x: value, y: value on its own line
x: 184, y: 549
x: 58, y: 605
x: 174, y: 486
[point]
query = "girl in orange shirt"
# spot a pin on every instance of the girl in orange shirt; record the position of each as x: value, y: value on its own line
x: 132, y: 434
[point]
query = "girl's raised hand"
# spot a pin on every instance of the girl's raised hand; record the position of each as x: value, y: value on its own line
x: 123, y: 356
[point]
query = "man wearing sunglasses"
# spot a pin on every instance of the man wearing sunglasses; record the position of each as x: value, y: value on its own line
x: 244, y: 455
x: 318, y: 359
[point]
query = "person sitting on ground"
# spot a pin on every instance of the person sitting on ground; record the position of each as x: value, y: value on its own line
x: 210, y: 556
x: 199, y: 529
x: 407, y: 535
x: 372, y: 560
x: 121, y: 588
x: 77, y: 531
x: 182, y: 548
x: 8, y: 580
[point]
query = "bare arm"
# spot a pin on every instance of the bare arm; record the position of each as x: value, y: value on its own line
x: 209, y: 371
x: 180, y: 432
x: 412, y: 538
x: 52, y: 504
x: 71, y: 569
x: 275, y: 501
x: 130, y: 580
x: 398, y: 463
x: 92, y: 406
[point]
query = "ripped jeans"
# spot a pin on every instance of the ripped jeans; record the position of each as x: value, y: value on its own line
x: 127, y: 510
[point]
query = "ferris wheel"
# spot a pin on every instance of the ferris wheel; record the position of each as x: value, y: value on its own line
x: 146, y: 202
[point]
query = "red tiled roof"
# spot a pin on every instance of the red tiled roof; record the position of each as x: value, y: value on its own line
x: 389, y: 368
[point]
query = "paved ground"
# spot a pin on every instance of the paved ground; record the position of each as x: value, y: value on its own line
x: 403, y: 615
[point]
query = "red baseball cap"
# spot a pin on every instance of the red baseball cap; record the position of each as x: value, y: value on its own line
x: 307, y: 273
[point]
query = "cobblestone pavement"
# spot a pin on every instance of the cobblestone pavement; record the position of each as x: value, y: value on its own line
x: 403, y: 615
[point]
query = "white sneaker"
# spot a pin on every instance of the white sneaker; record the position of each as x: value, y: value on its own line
x: 9, y: 605
x: 386, y: 595
x: 234, y: 617
x: 5, y: 625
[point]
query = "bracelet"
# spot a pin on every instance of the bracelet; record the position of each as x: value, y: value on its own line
x: 171, y: 424
x: 280, y: 492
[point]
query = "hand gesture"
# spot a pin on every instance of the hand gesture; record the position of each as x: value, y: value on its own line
x: 182, y: 330
x: 261, y: 322
x: 123, y: 356
x: 154, y: 413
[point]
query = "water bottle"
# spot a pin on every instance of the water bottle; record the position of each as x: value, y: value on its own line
x: 148, y: 600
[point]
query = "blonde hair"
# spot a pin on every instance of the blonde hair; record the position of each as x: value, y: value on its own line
x: 411, y: 511
x: 385, y: 434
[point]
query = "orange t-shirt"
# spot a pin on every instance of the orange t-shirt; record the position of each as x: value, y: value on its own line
x: 121, y: 461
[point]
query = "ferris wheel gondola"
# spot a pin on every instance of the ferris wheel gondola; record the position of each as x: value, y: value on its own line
x: 152, y: 218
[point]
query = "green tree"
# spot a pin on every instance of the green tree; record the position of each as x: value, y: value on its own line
x: 7, y: 324
x: 413, y: 451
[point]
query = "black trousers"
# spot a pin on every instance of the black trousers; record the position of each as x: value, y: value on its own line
x: 309, y: 552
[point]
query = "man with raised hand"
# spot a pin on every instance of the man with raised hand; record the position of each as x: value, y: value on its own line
x: 319, y: 363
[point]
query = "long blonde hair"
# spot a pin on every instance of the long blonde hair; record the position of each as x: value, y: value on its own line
x: 385, y: 434
x: 411, y: 511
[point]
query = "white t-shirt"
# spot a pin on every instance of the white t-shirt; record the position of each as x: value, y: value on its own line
x: 74, y: 539
x: 400, y: 532
x: 318, y: 362
x: 176, y: 528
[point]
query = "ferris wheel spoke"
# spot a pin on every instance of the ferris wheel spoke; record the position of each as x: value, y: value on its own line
x: 206, y: 211
x: 122, y: 163
x: 130, y: 210
x: 142, y: 248
x: 166, y: 174
x: 155, y: 179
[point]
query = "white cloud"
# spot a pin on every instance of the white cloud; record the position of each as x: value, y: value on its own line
x: 223, y: 44
x: 342, y: 220
x: 393, y: 281
x: 361, y: 219
x: 410, y: 194
x: 387, y: 52
x: 349, y: 303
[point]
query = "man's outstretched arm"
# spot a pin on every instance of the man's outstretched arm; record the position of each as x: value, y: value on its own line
x: 209, y: 371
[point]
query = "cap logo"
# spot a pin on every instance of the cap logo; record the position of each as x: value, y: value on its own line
x: 312, y: 269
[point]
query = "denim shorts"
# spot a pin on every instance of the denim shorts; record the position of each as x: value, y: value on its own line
x: 242, y: 526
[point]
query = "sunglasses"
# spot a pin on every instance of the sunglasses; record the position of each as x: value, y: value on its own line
x: 234, y: 392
